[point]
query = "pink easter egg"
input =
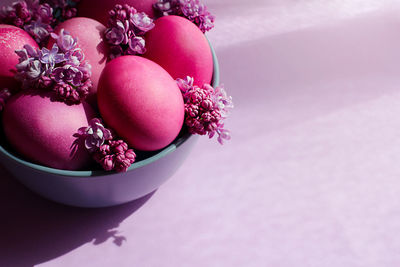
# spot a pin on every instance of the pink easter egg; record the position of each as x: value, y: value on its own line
x: 180, y: 48
x: 141, y: 102
x: 11, y: 39
x: 41, y: 129
x: 89, y: 35
x: 99, y: 11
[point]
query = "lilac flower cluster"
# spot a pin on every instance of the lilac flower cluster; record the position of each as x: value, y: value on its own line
x: 64, y: 9
x: 62, y: 69
x: 109, y: 152
x: 30, y: 15
x: 193, y: 10
x: 205, y: 109
x: 5, y: 94
x: 126, y: 28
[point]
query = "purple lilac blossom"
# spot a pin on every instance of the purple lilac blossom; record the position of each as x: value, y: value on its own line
x: 193, y: 10
x: 95, y: 134
x: 167, y: 7
x: 16, y: 14
x: 70, y: 94
x: 111, y: 153
x: 125, y: 30
x: 51, y: 57
x: 61, y: 69
x: 65, y: 41
x: 142, y: 22
x: 136, y: 46
x: 29, y: 69
x: 38, y: 30
x: 38, y: 19
x: 205, y: 109
x: 115, y: 155
x: 63, y: 9
x: 44, y: 12
x: 35, y: 18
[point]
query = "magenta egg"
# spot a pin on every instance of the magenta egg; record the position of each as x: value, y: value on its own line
x: 41, y: 130
x: 99, y: 11
x: 141, y: 102
x: 89, y: 34
x: 11, y: 39
x: 180, y: 48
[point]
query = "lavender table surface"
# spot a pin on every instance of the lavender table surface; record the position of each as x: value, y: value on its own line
x: 310, y: 178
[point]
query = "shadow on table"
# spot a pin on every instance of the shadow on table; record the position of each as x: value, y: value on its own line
x: 34, y: 230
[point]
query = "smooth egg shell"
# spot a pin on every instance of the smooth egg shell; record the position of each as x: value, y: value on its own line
x: 42, y: 130
x: 141, y: 102
x: 181, y: 48
x: 99, y: 10
x: 11, y: 39
x: 89, y: 34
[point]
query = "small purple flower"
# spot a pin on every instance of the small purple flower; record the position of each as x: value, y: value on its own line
x: 35, y: 18
x: 17, y: 14
x: 120, y: 13
x: 70, y: 94
x: 86, y: 70
x: 34, y: 70
x: 126, y: 28
x: 51, y: 57
x: 167, y: 7
x: 124, y: 160
x: 116, y: 35
x: 109, y: 152
x: 222, y: 101
x: 65, y: 41
x: 205, y: 109
x: 26, y: 55
x: 44, y: 13
x: 95, y: 134
x: 185, y: 84
x: 38, y: 30
x: 68, y: 74
x: 137, y: 46
x: 69, y: 12
x: 142, y: 22
x: 74, y: 57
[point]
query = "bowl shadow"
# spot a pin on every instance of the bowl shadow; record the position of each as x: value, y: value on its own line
x: 34, y: 230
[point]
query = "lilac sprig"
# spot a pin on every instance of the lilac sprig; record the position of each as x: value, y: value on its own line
x: 193, y: 10
x: 35, y: 18
x: 95, y: 134
x: 5, y: 94
x: 111, y: 153
x: 125, y: 30
x: 205, y: 109
x: 62, y: 68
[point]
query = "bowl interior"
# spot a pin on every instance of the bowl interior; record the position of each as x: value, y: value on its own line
x: 143, y: 159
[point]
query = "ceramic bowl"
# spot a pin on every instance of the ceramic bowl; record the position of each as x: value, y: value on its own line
x: 100, y: 188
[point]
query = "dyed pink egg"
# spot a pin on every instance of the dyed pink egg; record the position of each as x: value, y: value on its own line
x: 180, y: 48
x: 99, y: 11
x: 11, y: 39
x: 42, y: 130
x: 89, y: 35
x: 141, y: 102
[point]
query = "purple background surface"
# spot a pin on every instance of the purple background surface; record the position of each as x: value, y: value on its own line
x: 310, y: 178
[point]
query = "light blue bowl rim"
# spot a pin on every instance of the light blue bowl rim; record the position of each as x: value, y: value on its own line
x: 81, y: 174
